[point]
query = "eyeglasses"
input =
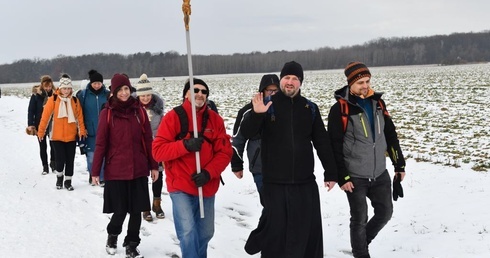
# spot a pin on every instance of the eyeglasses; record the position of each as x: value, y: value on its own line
x: 205, y: 92
x: 271, y: 91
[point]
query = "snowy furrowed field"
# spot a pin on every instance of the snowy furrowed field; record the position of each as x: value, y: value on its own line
x: 441, y: 118
x: 441, y: 112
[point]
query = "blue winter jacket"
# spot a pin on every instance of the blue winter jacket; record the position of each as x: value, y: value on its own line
x: 92, y: 103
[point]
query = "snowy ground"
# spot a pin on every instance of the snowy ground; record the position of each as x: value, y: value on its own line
x: 444, y: 213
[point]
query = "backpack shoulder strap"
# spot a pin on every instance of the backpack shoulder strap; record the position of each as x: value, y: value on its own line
x: 344, y: 112
x: 312, y: 108
x: 184, y: 123
x: 385, y: 111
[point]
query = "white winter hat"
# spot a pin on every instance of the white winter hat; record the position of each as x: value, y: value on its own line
x: 65, y: 81
x: 144, y: 86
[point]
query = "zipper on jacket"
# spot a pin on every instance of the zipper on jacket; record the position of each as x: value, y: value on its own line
x: 363, y: 125
x: 292, y: 139
x: 379, y: 125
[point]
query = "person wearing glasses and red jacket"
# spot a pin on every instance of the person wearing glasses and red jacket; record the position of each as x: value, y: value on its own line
x: 177, y: 151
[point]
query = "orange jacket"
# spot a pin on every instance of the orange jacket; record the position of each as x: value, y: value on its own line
x: 61, y: 130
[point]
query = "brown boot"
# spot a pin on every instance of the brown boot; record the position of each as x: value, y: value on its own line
x: 157, y: 209
x: 147, y: 216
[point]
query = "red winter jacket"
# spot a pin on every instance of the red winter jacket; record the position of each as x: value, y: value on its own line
x: 180, y: 164
x: 124, y: 139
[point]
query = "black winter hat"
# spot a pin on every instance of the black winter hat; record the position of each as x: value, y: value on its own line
x: 292, y: 68
x: 95, y: 76
x: 355, y: 71
x: 267, y: 80
x: 187, y: 86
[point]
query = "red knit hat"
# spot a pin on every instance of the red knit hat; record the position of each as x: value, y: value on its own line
x: 117, y: 81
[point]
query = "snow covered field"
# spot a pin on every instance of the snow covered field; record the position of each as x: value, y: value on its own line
x: 444, y: 213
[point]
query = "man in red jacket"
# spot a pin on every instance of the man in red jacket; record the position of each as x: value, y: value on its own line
x: 178, y: 155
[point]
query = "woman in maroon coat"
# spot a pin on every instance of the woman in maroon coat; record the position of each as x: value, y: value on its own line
x: 124, y: 140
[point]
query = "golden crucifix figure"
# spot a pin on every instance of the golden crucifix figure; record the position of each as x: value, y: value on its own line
x: 186, y: 8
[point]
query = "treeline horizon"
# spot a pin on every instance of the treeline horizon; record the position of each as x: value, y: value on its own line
x: 456, y: 48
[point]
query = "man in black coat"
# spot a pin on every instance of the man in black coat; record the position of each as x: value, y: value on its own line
x: 290, y: 124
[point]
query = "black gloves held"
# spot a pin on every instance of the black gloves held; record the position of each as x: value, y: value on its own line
x: 397, y: 187
x: 201, y: 178
x: 193, y: 144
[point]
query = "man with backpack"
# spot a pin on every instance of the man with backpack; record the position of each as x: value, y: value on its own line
x: 175, y: 145
x: 290, y: 126
x: 92, y: 99
x: 269, y: 85
x: 361, y: 131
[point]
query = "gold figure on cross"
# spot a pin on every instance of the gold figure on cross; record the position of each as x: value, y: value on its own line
x: 186, y: 9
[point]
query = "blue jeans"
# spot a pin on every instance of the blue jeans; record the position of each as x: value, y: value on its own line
x: 258, y: 181
x: 193, y: 231
x: 90, y: 161
x: 362, y: 231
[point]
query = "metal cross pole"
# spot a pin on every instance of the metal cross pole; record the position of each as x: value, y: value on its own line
x: 186, y: 9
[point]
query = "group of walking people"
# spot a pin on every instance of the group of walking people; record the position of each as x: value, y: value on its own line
x: 128, y: 139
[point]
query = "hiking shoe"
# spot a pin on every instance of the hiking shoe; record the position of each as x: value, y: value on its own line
x: 68, y: 185
x: 132, y: 251
x: 111, y: 245
x: 147, y: 216
x: 45, y: 170
x: 59, y: 182
x: 157, y: 209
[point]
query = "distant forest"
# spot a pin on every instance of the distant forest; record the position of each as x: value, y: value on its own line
x: 457, y: 48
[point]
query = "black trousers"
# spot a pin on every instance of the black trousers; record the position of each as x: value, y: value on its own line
x: 156, y: 186
x: 65, y: 156
x: 115, y: 226
x: 362, y: 230
x: 43, y: 151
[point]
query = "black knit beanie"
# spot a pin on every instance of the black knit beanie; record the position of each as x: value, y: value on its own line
x: 292, y: 68
x: 95, y: 76
x: 187, y: 86
x: 355, y: 71
x: 267, y: 80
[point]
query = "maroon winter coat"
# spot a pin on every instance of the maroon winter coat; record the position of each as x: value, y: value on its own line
x: 124, y: 139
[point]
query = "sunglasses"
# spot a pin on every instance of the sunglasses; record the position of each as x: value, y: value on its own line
x: 205, y: 92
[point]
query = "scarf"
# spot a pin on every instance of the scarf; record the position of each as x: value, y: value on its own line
x: 65, y: 109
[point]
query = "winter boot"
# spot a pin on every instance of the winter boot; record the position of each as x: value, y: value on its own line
x: 111, y: 244
x: 59, y: 180
x: 157, y: 209
x: 45, y: 169
x: 68, y: 185
x: 147, y: 216
x: 132, y: 251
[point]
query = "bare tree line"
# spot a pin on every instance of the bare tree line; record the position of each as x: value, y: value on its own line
x: 456, y: 48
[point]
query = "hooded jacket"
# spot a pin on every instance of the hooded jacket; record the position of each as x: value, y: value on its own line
x: 180, y: 164
x: 360, y: 151
x: 92, y: 104
x: 61, y: 130
x: 124, y: 139
x: 289, y: 133
x: 38, y: 99
x: 239, y: 142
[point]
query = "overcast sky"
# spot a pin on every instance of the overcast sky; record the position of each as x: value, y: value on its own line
x: 47, y: 28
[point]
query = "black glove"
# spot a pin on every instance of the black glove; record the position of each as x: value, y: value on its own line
x: 193, y: 144
x: 201, y: 178
x: 397, y: 187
